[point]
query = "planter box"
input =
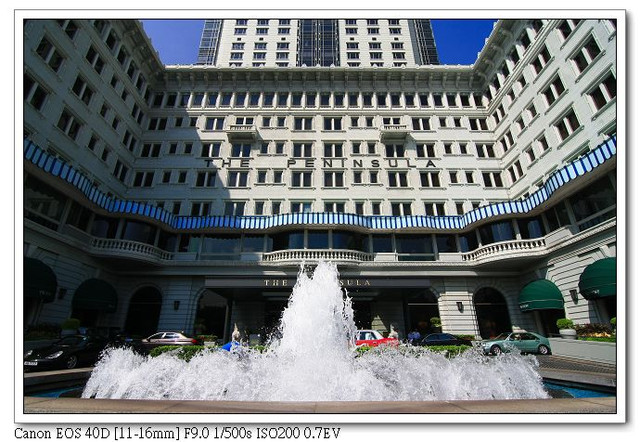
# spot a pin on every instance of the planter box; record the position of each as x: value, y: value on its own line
x: 604, y: 352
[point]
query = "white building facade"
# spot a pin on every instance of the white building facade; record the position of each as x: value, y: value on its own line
x: 186, y: 197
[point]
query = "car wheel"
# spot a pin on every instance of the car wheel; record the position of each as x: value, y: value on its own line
x: 496, y: 350
x: 72, y: 362
x: 543, y: 350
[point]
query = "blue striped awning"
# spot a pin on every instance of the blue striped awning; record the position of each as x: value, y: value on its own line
x: 577, y: 168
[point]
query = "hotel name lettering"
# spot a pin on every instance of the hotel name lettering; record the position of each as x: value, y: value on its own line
x: 326, y: 162
x: 355, y: 282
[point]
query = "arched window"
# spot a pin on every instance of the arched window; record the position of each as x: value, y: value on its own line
x: 492, y: 312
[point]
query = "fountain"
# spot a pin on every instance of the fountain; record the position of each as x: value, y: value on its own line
x: 314, y: 359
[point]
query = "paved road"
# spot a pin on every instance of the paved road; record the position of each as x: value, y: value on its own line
x: 560, y: 363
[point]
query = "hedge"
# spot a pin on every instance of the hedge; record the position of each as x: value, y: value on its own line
x: 184, y: 352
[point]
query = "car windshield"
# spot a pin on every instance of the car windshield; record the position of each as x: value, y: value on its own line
x: 502, y: 336
x: 71, y: 340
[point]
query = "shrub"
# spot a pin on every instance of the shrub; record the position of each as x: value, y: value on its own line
x: 207, y: 337
x: 70, y: 324
x: 467, y: 337
x: 435, y: 322
x: 594, y: 329
x: 598, y: 338
x: 184, y: 352
x: 42, y: 331
x: 451, y: 350
x: 564, y: 323
x: 613, y: 322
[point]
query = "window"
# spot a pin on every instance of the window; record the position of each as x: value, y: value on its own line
x: 277, y: 176
x: 333, y: 150
x: 241, y: 150
x: 530, y: 155
x: 69, y: 27
x: 426, y: 150
x: 371, y: 148
x: 357, y: 177
x: 69, y: 124
x: 301, y: 179
x: 214, y: 123
x: 566, y: 27
x: 485, y: 151
x: 515, y: 171
x: 333, y: 207
x: 421, y: 123
x: 332, y: 123
x: 567, y: 125
x: 453, y: 177
x: 234, y: 208
x: 34, y: 94
x: 334, y: 179
x: 120, y: 171
x: 279, y: 148
x: 585, y: 56
x: 240, y: 31
x: 434, y: 209
x: 541, y: 60
x: 259, y: 208
x: 394, y: 150
x: 468, y: 176
x: 150, y: 150
x: 437, y: 100
x: 238, y: 46
x: 604, y: 92
x: 492, y: 179
x: 302, y: 150
x: 284, y: 31
x: 143, y: 179
x: 398, y: 179
x: 94, y: 60
x: 49, y: 54
x: 301, y: 207
x: 302, y: 123
x: 478, y: 124
x: 401, y: 209
x: 82, y: 90
x: 237, y: 178
x: 206, y: 179
x: 553, y: 91
x: 373, y: 177
x: 211, y: 150
x: 430, y: 179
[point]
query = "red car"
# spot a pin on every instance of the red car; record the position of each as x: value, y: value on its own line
x: 373, y: 338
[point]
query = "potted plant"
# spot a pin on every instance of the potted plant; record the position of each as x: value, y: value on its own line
x: 565, y: 326
x: 69, y: 327
x: 436, y: 324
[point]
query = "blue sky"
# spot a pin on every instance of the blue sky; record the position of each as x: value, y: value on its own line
x: 458, y: 41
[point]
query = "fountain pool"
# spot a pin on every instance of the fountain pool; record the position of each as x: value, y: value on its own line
x: 314, y: 360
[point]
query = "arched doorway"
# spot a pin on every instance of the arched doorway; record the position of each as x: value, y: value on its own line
x: 91, y: 300
x: 144, y: 312
x: 40, y: 286
x: 492, y: 312
x: 211, y: 316
x: 420, y: 308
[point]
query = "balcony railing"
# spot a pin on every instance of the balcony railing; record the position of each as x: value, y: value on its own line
x: 317, y: 255
x: 394, y: 131
x: 506, y: 249
x: 122, y: 248
x: 242, y: 131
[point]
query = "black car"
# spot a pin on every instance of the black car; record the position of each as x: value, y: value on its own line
x: 69, y: 352
x: 443, y: 339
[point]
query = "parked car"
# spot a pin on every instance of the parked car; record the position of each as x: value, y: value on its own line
x: 168, y: 338
x: 373, y: 338
x: 443, y: 339
x: 69, y: 352
x: 526, y: 342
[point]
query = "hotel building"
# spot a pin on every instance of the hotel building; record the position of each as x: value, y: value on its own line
x: 186, y: 197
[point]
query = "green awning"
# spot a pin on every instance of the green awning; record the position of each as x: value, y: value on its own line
x: 541, y: 294
x: 39, y: 280
x: 598, y: 280
x: 96, y: 294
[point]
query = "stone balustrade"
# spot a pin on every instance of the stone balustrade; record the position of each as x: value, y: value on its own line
x: 505, y: 248
x: 318, y: 255
x: 123, y: 247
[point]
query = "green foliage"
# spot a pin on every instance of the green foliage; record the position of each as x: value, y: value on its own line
x: 613, y: 322
x: 70, y: 324
x: 184, y: 352
x: 598, y: 338
x: 468, y: 337
x: 451, y: 350
x: 42, y: 331
x: 435, y: 322
x: 564, y: 323
x: 594, y: 329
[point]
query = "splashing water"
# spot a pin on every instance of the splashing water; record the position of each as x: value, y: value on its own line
x: 314, y: 360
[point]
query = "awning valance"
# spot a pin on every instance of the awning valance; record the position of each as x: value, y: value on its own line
x: 598, y: 280
x: 541, y: 294
x: 96, y: 294
x: 39, y: 280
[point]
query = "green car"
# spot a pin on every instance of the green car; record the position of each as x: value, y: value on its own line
x: 526, y: 342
